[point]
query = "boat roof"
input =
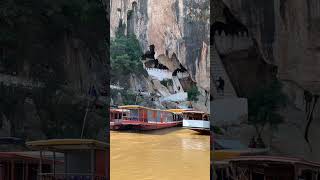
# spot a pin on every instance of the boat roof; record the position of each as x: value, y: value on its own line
x: 282, y: 159
x: 177, y: 111
x: 119, y: 110
x: 67, y: 144
x: 194, y: 112
x: 186, y: 111
x: 26, y: 156
x: 140, y: 107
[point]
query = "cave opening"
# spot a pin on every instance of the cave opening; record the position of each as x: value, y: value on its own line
x: 233, y: 26
x: 181, y: 69
x: 149, y: 54
x: 134, y: 4
x: 152, y: 63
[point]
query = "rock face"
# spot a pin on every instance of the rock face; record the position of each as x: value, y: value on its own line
x: 55, y: 67
x: 179, y: 29
x: 284, y: 38
x: 286, y: 35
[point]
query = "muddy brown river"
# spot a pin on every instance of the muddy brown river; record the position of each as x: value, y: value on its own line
x: 168, y: 154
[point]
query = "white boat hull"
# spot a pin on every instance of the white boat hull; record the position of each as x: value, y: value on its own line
x: 196, y: 124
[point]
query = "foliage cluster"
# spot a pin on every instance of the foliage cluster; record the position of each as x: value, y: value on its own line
x: 264, y: 106
x: 193, y: 93
x: 167, y: 82
x: 125, y: 57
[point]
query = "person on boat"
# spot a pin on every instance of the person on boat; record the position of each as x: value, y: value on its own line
x: 190, y: 105
x: 220, y: 87
x: 252, y: 143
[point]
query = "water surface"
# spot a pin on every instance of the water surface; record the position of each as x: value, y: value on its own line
x: 169, y: 154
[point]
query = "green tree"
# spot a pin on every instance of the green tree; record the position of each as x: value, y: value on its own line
x: 264, y: 106
x: 193, y: 93
x: 125, y: 58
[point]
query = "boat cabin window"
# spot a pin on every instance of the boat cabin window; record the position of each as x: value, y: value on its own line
x: 168, y: 117
x: 134, y: 114
x: 177, y: 117
x: 195, y: 116
x: 116, y: 115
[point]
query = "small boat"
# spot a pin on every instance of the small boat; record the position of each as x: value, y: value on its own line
x: 136, y: 117
x: 196, y: 120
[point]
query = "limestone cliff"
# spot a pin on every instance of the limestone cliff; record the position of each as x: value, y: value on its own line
x: 179, y: 30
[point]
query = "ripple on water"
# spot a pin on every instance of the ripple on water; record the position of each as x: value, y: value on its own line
x: 169, y: 154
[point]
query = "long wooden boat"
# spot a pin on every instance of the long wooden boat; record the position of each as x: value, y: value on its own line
x: 136, y: 117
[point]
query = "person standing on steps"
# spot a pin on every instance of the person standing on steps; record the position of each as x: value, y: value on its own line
x: 220, y: 87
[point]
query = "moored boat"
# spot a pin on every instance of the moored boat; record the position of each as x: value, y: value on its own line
x: 142, y: 118
x: 196, y: 120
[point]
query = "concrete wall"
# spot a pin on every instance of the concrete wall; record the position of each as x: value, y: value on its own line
x: 226, y: 43
x: 228, y: 111
x: 159, y: 74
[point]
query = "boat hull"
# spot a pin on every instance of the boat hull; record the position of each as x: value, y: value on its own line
x: 202, y: 130
x: 196, y: 124
x: 142, y: 126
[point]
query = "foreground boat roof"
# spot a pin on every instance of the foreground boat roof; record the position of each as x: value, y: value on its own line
x: 28, y: 157
x: 67, y: 144
x: 282, y: 159
x: 234, y: 153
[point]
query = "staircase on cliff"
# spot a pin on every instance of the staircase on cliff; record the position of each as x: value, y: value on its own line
x: 217, y: 70
x: 176, y: 84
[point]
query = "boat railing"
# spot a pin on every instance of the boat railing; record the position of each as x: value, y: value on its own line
x: 70, y: 176
x: 131, y: 118
x: 117, y: 120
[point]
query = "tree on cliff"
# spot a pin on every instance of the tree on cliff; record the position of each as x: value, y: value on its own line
x: 264, y: 106
x: 193, y: 93
x: 125, y: 58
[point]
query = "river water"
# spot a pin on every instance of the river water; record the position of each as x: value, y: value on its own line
x: 168, y: 154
